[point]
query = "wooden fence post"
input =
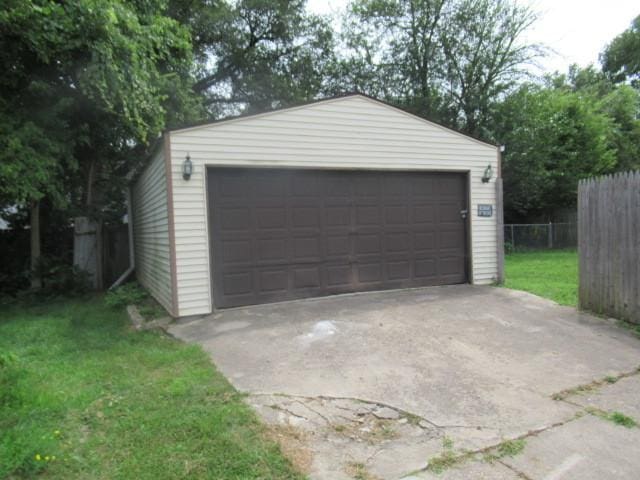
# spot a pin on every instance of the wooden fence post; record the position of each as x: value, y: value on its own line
x: 609, y: 245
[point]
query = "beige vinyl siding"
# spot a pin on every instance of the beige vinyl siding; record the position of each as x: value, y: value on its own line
x: 345, y: 133
x: 151, y: 231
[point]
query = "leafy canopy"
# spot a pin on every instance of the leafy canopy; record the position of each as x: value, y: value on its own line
x: 81, y: 82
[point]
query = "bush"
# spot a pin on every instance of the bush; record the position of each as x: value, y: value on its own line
x: 127, y: 294
x: 59, y: 277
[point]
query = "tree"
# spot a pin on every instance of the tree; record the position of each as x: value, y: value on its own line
x: 257, y: 54
x: 84, y: 84
x: 621, y: 58
x: 485, y: 56
x: 450, y: 60
x: 554, y: 138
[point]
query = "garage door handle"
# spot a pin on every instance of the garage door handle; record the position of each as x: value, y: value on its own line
x: 463, y: 213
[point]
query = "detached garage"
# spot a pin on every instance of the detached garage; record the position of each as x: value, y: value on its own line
x: 337, y: 196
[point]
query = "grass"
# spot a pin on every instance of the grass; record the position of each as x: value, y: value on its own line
x: 614, y: 417
x: 446, y: 459
x: 551, y: 274
x: 508, y: 448
x: 90, y: 398
x: 622, y: 420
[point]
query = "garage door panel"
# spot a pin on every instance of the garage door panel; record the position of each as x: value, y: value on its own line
x: 270, y: 249
x: 268, y: 218
x: 424, y: 241
x: 397, y: 242
x: 236, y: 218
x: 305, y: 217
x: 399, y: 270
x: 338, y: 246
x: 338, y: 216
x: 369, y: 272
x: 426, y: 267
x: 423, y: 213
x: 306, y: 249
x: 234, y: 251
x: 273, y: 281
x: 306, y: 277
x: 367, y: 215
x: 286, y: 234
x: 366, y: 244
x: 339, y: 276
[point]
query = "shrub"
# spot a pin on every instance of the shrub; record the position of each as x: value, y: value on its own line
x: 59, y: 277
x: 127, y: 294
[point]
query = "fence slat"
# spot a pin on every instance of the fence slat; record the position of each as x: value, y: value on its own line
x: 609, y: 245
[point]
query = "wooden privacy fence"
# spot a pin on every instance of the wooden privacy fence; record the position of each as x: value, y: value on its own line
x: 609, y: 245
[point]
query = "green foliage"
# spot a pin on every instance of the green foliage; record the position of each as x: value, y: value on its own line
x: 554, y: 138
x: 450, y: 60
x: 85, y: 84
x: 257, y: 54
x: 551, y: 274
x: 60, y: 278
x: 9, y: 374
x: 108, y: 402
x: 622, y: 419
x: 127, y: 294
x: 510, y: 448
x: 133, y: 294
x: 621, y: 58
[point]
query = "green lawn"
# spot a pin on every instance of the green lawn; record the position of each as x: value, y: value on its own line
x: 83, y: 396
x: 551, y: 274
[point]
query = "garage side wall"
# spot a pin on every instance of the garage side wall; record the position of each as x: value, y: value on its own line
x: 345, y: 133
x: 151, y: 231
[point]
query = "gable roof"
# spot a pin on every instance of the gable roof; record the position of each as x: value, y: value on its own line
x: 210, y: 123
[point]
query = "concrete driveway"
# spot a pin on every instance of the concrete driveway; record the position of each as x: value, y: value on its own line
x: 404, y: 384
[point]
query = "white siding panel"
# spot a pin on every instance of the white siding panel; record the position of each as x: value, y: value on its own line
x: 345, y: 133
x: 151, y: 231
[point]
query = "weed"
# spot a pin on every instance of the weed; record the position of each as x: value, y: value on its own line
x: 447, y: 458
x: 358, y: 471
x: 610, y: 379
x: 508, y: 448
x: 442, y: 462
x: 622, y: 419
x: 133, y: 294
x: 511, y: 448
x: 615, y: 417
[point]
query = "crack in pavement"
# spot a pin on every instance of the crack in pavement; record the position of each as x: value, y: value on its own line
x: 593, y: 385
x: 520, y: 474
x: 467, y: 455
x: 401, y: 411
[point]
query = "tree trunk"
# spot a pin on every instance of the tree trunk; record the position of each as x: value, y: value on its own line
x: 36, y: 279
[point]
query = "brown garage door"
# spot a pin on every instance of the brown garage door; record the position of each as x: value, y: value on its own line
x: 285, y: 234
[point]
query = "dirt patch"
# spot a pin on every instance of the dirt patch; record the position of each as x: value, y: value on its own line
x: 342, y: 438
x: 293, y: 443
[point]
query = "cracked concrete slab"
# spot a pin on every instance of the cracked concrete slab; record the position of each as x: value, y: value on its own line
x: 622, y: 396
x: 478, y: 364
x: 589, y: 448
x: 476, y: 470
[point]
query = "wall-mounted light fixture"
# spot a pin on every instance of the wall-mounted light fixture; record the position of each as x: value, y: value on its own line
x: 187, y: 168
x: 488, y: 173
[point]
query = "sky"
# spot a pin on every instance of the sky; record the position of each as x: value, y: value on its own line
x: 575, y: 31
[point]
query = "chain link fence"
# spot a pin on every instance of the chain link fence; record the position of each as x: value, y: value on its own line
x: 540, y: 236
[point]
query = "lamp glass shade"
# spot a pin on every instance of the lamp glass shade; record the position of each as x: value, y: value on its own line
x: 488, y: 173
x: 187, y: 168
